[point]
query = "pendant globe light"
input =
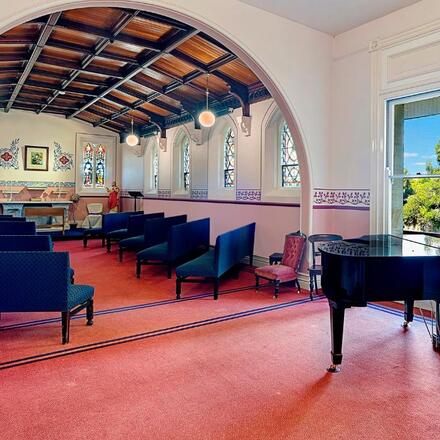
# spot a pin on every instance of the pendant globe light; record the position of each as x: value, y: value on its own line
x: 132, y: 139
x: 207, y: 118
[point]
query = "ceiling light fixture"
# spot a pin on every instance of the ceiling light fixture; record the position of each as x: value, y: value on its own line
x: 207, y: 118
x: 132, y: 139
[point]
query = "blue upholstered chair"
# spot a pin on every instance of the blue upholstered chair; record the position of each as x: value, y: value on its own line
x: 40, y: 282
x: 135, y: 227
x: 230, y: 249
x: 3, y: 216
x: 157, y: 231
x: 184, y: 240
x: 110, y: 222
x: 29, y: 243
x: 17, y: 228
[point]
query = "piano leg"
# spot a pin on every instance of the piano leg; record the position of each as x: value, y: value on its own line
x: 436, y: 334
x: 409, y: 313
x: 337, y: 313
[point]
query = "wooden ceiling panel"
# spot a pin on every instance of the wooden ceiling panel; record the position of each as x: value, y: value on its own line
x: 129, y: 99
x: 61, y: 34
x: 104, y: 18
x: 216, y: 85
x: 202, y: 50
x: 151, y: 107
x: 62, y: 54
x: 173, y: 66
x: 146, y: 29
x: 108, y: 65
x: 239, y: 71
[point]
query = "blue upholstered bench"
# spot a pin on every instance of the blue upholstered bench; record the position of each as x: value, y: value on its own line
x: 4, y: 216
x: 135, y: 227
x: 151, y: 235
x: 157, y: 232
x: 40, y: 282
x: 29, y: 243
x: 230, y: 248
x: 110, y: 222
x: 12, y: 219
x: 17, y: 228
x: 184, y: 240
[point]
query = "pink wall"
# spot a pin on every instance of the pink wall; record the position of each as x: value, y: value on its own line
x: 349, y: 223
x: 273, y: 222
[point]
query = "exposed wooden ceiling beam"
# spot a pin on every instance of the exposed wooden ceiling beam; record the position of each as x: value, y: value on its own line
x: 104, y: 42
x: 149, y: 59
x: 44, y: 36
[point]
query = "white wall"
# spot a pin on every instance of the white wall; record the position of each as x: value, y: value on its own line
x: 41, y: 130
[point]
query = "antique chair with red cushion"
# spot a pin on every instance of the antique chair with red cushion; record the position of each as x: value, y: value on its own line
x: 287, y: 271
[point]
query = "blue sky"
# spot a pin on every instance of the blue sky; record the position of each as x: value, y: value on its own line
x: 420, y: 137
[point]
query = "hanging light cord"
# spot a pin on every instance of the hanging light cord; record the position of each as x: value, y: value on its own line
x: 207, y: 91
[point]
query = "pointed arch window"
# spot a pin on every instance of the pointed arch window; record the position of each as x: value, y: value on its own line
x: 229, y: 159
x: 289, y: 166
x: 94, y: 165
x: 186, y: 164
x: 155, y: 168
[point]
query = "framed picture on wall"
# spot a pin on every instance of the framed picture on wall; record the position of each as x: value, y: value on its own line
x: 36, y: 158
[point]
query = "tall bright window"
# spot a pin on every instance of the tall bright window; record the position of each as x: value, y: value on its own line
x: 414, y: 164
x: 289, y: 166
x: 94, y: 166
x: 186, y: 164
x: 155, y: 168
x: 229, y: 159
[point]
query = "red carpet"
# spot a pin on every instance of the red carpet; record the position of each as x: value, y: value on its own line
x: 255, y: 377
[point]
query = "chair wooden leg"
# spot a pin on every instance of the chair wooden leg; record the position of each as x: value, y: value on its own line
x: 85, y: 241
x: 298, y: 285
x: 89, y: 312
x: 109, y: 245
x: 138, y: 269
x: 65, y: 326
x: 121, y: 254
x: 178, y: 287
x: 277, y: 288
x: 257, y: 283
x: 216, y: 286
x: 169, y: 270
x: 316, y: 284
x: 311, y: 286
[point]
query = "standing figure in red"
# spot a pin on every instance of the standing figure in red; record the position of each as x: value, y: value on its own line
x: 113, y: 198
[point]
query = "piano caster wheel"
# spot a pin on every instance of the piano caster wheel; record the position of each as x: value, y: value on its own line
x: 406, y: 324
x: 333, y: 369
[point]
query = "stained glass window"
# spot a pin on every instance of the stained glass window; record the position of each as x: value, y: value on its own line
x: 88, y: 158
x: 229, y: 159
x: 100, y: 167
x: 186, y: 164
x: 94, y: 165
x: 290, y: 177
x: 155, y: 166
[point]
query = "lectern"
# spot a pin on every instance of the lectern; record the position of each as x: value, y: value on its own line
x: 135, y: 195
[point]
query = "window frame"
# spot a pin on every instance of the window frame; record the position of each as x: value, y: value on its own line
x: 227, y: 134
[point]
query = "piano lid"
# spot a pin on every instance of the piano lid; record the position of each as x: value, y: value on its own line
x: 414, y: 245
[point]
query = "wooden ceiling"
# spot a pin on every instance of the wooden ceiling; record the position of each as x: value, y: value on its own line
x: 107, y: 66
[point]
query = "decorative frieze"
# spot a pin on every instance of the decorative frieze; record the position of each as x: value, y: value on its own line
x: 36, y: 184
x: 248, y: 195
x: 199, y: 194
x: 341, y: 198
x: 164, y: 193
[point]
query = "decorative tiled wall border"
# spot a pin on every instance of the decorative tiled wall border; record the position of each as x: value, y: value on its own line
x: 357, y: 199
x: 248, y: 195
x: 164, y: 193
x: 199, y: 194
x: 37, y: 184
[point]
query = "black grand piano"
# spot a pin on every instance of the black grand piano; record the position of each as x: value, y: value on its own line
x: 379, y: 268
